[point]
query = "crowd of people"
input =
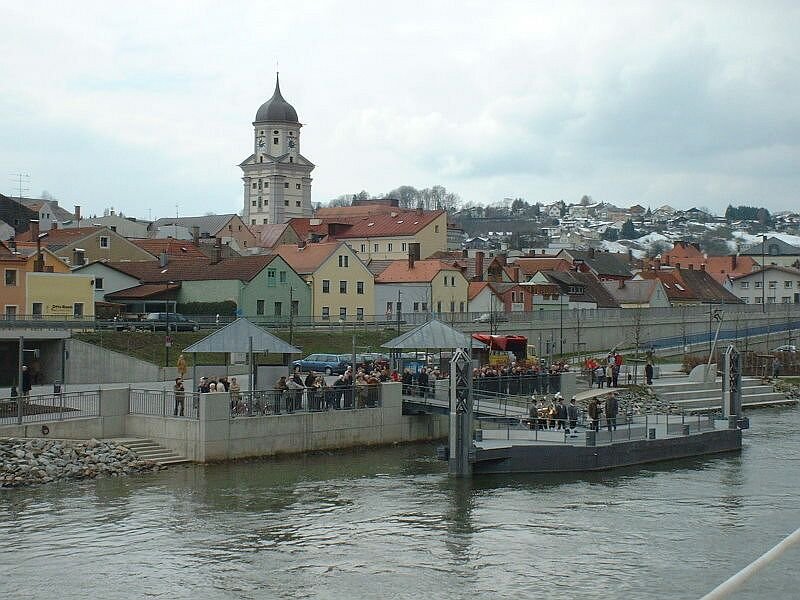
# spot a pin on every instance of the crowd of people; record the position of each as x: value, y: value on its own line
x: 555, y: 414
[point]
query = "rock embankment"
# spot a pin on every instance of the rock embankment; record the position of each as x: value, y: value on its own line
x: 33, y: 461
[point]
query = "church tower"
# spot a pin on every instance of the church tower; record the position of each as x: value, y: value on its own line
x: 277, y: 178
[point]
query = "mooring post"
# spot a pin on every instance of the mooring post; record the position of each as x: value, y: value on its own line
x: 460, y: 414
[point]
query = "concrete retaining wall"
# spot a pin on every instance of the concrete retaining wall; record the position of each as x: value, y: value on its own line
x: 87, y: 363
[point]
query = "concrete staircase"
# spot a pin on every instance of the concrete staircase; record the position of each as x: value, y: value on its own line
x: 149, y: 450
x: 696, y: 396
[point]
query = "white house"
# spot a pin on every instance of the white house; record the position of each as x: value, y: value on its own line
x: 773, y: 285
x: 106, y: 279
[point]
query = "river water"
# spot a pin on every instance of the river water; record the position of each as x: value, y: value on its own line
x: 389, y: 523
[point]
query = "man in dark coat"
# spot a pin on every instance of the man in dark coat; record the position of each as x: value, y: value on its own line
x: 594, y: 414
x: 612, y: 408
x: 572, y: 414
x: 648, y: 373
x: 422, y: 382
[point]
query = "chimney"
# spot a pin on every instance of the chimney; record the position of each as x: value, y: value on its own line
x: 411, y: 257
x: 78, y: 257
x: 163, y: 259
x: 479, y: 265
x: 78, y: 214
x: 516, y: 274
x: 217, y: 251
x: 34, y: 226
x: 733, y: 263
x: 196, y: 234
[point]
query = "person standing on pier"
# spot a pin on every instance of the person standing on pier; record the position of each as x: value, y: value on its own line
x: 648, y: 373
x: 572, y: 414
x: 179, y: 397
x: 594, y: 414
x: 612, y: 408
x: 181, y: 365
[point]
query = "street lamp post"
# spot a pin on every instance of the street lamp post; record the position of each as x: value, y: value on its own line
x: 561, y: 325
x: 397, y: 310
x: 763, y: 273
x: 291, y: 315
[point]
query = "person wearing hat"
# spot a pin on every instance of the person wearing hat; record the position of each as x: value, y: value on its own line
x: 572, y: 413
x: 561, y: 413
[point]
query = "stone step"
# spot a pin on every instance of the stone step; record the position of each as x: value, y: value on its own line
x: 752, y: 400
x: 149, y: 450
x: 691, y: 394
x: 177, y: 460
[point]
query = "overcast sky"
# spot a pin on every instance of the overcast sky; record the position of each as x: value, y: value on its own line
x: 144, y: 106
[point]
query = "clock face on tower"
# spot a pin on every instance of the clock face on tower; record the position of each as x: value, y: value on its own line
x: 260, y: 143
x: 291, y: 142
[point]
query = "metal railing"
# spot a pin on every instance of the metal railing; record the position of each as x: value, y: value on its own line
x: 164, y: 403
x: 50, y: 407
x: 283, y: 402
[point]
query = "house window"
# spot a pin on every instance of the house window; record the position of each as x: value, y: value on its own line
x: 403, y: 246
x: 389, y: 247
x: 436, y: 229
x: 77, y: 310
x: 744, y: 285
x: 270, y: 277
x: 259, y: 307
x: 773, y: 285
x: 416, y: 306
x: 445, y: 282
x: 375, y: 247
x: 36, y: 309
x: 282, y: 276
x: 452, y: 306
x: 758, y: 285
x: 326, y: 312
x: 342, y: 287
x: 326, y: 286
x: 758, y: 299
x: 785, y: 300
x: 787, y: 284
x: 11, y: 277
x: 424, y: 307
x: 278, y: 309
x: 359, y: 314
x: 745, y: 300
x: 461, y: 307
x: 771, y: 300
x: 103, y: 241
x: 452, y: 282
x: 98, y: 283
x: 342, y: 313
x: 363, y: 247
x: 11, y: 311
x: 344, y: 260
x: 439, y: 307
x: 359, y: 287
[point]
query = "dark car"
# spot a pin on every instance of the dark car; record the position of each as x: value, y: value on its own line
x: 324, y: 363
x: 372, y: 360
x: 174, y: 321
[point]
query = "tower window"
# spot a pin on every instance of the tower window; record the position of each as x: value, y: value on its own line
x: 286, y: 203
x: 260, y: 133
x: 286, y: 186
x: 291, y: 159
x: 297, y: 186
x: 276, y: 132
x: 254, y: 202
x: 274, y: 140
x: 297, y: 202
x: 261, y: 159
x: 266, y: 184
x: 266, y: 221
x: 254, y: 185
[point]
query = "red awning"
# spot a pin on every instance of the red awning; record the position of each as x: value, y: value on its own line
x: 502, y: 342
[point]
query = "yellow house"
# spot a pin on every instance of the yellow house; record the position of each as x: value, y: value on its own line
x: 342, y: 288
x: 17, y: 268
x: 59, y: 295
x: 421, y: 286
x: 385, y: 236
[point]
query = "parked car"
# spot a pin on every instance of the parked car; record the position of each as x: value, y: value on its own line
x: 786, y: 348
x: 489, y: 317
x: 324, y: 363
x: 176, y: 322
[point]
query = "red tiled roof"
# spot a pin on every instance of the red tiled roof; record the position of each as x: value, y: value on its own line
x: 243, y: 268
x: 404, y: 222
x: 171, y: 246
x: 307, y: 259
x: 531, y: 266
x: 423, y: 270
x: 59, y: 236
x: 267, y: 235
x: 146, y: 290
x: 691, y: 284
x: 475, y: 288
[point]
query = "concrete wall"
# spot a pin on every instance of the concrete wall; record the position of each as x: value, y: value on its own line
x: 88, y: 363
x: 178, y: 434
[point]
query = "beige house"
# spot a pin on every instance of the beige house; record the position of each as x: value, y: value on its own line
x: 81, y: 245
x: 342, y: 288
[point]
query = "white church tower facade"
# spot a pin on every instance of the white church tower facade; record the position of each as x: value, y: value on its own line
x: 277, y: 178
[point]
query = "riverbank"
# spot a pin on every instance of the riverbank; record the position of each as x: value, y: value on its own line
x: 34, y: 461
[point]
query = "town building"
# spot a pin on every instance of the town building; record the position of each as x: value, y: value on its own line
x: 772, y: 285
x: 420, y: 286
x: 773, y: 251
x: 644, y: 293
x: 690, y: 286
x: 277, y: 178
x: 227, y: 229
x: 342, y: 287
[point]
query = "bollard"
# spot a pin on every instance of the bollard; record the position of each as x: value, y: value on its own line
x: 591, y: 438
x: 651, y: 433
x: 685, y: 429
